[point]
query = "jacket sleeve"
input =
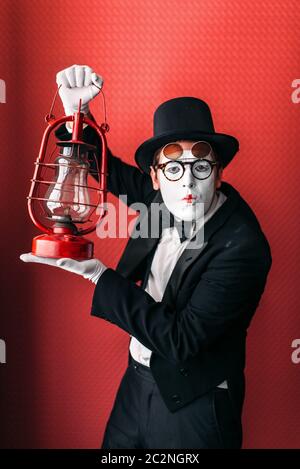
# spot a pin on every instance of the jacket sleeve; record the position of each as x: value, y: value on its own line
x: 225, y: 298
x: 123, y: 178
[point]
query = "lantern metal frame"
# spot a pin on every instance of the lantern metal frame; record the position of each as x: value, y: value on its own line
x: 65, y: 239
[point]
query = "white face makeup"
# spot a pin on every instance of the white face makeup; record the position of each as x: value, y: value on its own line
x: 185, y: 198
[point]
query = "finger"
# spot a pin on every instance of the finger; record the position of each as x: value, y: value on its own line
x: 70, y: 74
x: 29, y: 257
x: 95, y: 88
x: 97, y: 80
x: 79, y: 75
x: 86, y: 94
x: 61, y: 79
x: 88, y: 75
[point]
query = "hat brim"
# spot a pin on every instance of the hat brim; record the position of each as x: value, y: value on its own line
x: 226, y: 146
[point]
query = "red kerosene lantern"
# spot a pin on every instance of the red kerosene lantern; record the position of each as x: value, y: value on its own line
x: 63, y: 197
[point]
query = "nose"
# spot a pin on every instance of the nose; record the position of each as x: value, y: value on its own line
x: 188, y: 179
x: 190, y: 185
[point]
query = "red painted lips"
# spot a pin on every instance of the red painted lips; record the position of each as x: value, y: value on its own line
x: 189, y: 198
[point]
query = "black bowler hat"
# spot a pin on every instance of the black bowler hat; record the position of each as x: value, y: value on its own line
x: 185, y: 118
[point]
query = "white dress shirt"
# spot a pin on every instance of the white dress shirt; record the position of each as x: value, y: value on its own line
x: 167, y: 253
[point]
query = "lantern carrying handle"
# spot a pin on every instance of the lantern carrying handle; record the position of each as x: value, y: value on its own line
x: 51, y: 116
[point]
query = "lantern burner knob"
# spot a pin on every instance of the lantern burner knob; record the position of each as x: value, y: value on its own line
x: 65, y: 228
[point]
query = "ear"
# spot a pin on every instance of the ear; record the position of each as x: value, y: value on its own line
x: 155, y: 181
x: 219, y: 177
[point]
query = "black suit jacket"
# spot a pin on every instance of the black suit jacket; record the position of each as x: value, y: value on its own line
x: 197, y: 332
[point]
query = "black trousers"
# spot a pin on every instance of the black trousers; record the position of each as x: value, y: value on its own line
x: 140, y: 418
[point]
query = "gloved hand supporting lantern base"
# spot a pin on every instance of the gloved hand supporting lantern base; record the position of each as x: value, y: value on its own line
x: 90, y: 269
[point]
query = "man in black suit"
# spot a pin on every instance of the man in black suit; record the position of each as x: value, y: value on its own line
x: 201, y: 279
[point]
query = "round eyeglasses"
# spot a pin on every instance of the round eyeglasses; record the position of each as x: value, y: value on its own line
x: 201, y: 168
x: 174, y: 170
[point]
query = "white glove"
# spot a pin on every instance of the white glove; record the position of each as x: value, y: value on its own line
x: 78, y: 82
x: 91, y: 269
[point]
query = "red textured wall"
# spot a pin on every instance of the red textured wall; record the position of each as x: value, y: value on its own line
x: 63, y: 366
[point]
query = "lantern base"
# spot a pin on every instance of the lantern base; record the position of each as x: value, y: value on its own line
x: 62, y: 245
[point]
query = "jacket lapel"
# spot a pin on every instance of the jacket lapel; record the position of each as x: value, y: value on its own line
x: 138, y: 248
